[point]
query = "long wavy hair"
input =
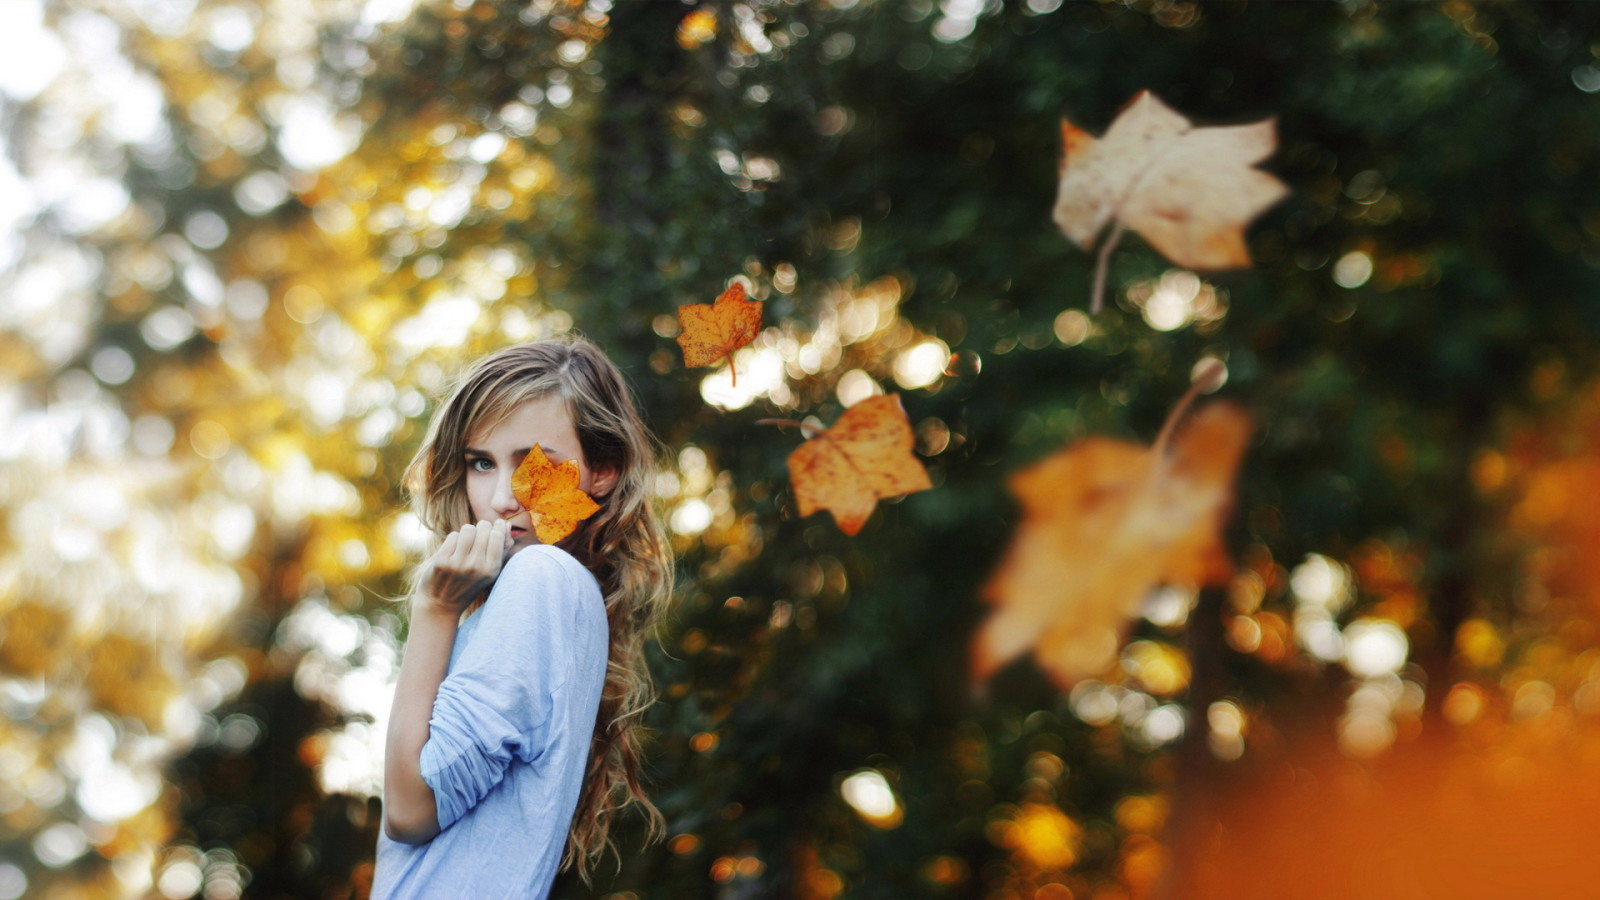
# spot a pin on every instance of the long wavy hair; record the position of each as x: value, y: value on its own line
x: 623, y: 544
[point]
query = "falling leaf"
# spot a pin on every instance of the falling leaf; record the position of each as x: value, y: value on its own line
x: 1104, y: 522
x: 712, y: 332
x: 1189, y: 191
x: 550, y: 494
x: 865, y: 456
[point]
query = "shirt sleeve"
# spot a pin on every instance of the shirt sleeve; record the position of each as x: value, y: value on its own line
x: 494, y: 706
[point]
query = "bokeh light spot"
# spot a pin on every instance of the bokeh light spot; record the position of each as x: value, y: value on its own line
x: 1072, y: 327
x: 1586, y: 78
x: 1352, y: 270
x: 869, y: 794
x: 179, y: 880
x: 691, y: 517
x: 855, y: 386
x: 921, y: 364
x: 60, y: 844
x: 210, y: 439
x: 112, y: 365
x: 1374, y: 648
x: 13, y: 882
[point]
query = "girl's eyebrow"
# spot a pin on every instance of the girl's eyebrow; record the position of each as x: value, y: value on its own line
x: 550, y: 452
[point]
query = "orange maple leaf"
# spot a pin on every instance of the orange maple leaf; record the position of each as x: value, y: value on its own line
x: 1190, y: 191
x: 550, y: 494
x: 865, y: 456
x: 1104, y: 522
x: 711, y: 332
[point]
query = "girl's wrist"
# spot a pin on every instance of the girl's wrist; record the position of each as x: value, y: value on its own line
x: 427, y: 605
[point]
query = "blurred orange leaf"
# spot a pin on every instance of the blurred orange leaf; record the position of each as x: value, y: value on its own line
x: 1189, y: 191
x: 865, y: 456
x: 550, y: 494
x: 711, y: 332
x: 1507, y: 812
x: 1104, y: 522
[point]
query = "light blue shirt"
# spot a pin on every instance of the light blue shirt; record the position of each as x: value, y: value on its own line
x: 509, y: 739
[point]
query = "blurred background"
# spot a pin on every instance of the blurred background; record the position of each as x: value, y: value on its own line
x: 244, y: 245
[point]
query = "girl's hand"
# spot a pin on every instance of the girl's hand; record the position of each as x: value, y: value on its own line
x: 464, y: 566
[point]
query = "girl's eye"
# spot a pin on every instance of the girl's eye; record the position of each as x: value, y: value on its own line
x: 479, y: 464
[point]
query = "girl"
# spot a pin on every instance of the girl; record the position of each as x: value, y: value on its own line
x: 513, y: 739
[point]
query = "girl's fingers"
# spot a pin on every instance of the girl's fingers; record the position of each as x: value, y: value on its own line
x: 469, y: 559
x: 466, y: 553
x: 474, y: 550
x: 480, y: 538
x: 447, y: 548
x: 494, y: 546
x: 463, y: 548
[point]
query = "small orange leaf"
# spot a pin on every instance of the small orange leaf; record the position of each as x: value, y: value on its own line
x: 1104, y: 522
x: 865, y: 456
x: 550, y: 494
x: 711, y: 333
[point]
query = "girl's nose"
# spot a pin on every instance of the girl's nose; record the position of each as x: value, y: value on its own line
x: 504, y: 502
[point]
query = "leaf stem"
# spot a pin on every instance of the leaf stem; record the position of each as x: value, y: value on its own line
x: 1097, y: 294
x: 1159, y: 448
x: 806, y: 428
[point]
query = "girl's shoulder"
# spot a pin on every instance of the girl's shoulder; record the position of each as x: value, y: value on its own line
x: 548, y: 557
x: 552, y: 574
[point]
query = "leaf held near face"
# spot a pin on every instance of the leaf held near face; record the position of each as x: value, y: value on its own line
x: 550, y: 494
x: 865, y: 456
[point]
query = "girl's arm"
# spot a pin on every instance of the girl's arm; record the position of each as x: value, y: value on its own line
x: 463, y: 568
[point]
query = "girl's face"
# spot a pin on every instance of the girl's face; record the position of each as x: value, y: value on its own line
x: 492, y: 454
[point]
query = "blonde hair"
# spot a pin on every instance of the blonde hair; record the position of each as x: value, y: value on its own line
x: 623, y: 544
